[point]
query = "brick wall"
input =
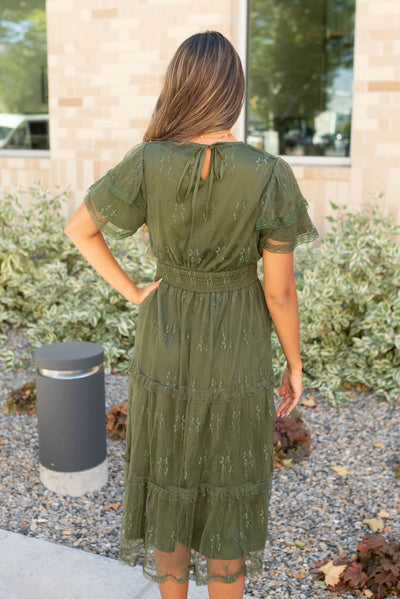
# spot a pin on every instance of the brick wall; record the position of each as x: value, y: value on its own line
x: 376, y: 116
x: 106, y: 63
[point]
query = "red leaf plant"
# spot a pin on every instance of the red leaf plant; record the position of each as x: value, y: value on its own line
x: 375, y: 566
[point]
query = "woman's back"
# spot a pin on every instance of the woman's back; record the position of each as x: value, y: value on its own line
x: 249, y: 200
x: 206, y: 225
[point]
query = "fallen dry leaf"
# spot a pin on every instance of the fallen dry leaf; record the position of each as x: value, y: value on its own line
x: 341, y: 470
x: 112, y: 506
x: 309, y: 401
x: 332, y: 573
x: 375, y: 524
x: 383, y: 514
x: 368, y: 593
x: 298, y: 576
x: 387, y: 529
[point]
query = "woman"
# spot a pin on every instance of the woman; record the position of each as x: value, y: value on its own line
x: 201, y: 414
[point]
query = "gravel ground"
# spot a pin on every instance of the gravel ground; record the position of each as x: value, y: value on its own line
x: 310, y: 502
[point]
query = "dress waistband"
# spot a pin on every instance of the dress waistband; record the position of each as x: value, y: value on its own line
x: 200, y: 280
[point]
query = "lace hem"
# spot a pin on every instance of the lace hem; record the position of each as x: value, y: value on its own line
x: 219, y: 537
x: 287, y: 247
x: 200, y: 395
x: 139, y: 555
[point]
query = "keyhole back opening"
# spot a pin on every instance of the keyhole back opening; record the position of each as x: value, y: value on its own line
x: 206, y: 165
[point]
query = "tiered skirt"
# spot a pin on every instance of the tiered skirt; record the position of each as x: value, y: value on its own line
x: 199, y: 445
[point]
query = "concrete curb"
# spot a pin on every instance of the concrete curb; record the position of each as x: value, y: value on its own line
x: 32, y: 568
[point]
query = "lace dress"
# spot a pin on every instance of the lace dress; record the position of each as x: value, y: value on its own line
x: 199, y: 444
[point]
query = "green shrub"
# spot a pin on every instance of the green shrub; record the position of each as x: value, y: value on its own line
x: 348, y: 287
x: 349, y: 304
x: 49, y: 289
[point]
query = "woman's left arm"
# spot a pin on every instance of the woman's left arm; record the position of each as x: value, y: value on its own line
x: 90, y: 242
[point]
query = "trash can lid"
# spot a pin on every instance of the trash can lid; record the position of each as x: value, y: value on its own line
x: 69, y: 355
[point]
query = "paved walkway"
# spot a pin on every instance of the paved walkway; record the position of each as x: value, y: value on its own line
x: 32, y: 568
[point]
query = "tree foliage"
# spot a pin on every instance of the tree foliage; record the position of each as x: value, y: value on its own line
x: 295, y: 49
x: 23, y: 56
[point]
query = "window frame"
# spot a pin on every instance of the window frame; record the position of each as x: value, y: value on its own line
x: 24, y: 154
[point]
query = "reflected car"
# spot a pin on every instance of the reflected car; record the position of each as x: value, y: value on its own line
x: 342, y: 143
x: 24, y: 131
x: 337, y: 143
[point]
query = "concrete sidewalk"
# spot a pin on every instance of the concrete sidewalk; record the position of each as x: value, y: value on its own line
x: 31, y: 568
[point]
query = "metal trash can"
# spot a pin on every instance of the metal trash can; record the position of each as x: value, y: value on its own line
x: 71, y: 417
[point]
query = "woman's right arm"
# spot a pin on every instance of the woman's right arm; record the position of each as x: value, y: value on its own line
x: 281, y: 298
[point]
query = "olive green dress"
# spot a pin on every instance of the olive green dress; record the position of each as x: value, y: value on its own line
x: 201, y: 415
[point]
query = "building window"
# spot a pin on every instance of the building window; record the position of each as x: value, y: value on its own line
x: 24, y: 119
x: 300, y: 76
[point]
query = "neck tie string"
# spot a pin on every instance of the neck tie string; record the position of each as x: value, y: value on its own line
x: 195, y: 162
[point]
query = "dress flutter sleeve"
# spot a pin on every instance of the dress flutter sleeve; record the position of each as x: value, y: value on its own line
x: 283, y: 221
x: 117, y: 201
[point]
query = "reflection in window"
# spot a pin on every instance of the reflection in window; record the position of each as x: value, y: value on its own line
x: 300, y: 76
x: 24, y: 120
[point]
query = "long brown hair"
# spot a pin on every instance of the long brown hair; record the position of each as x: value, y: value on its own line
x: 203, y: 90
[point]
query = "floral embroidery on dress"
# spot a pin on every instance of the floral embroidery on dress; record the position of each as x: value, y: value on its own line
x: 162, y: 464
x: 248, y: 462
x: 215, y: 542
x: 179, y: 424
x: 226, y: 466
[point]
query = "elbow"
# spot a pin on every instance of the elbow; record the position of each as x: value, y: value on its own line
x: 281, y: 299
x: 68, y: 228
x: 77, y: 235
x: 278, y: 300
x: 67, y: 232
x: 70, y: 233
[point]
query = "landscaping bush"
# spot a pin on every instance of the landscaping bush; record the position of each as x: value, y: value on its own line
x: 49, y: 290
x: 291, y: 440
x: 22, y: 400
x: 349, y: 304
x: 348, y: 288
